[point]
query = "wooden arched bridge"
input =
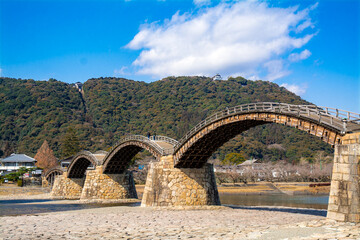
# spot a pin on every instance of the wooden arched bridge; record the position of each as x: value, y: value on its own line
x: 183, y: 177
x: 49, y: 176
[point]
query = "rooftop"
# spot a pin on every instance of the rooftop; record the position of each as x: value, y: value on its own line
x: 18, y: 158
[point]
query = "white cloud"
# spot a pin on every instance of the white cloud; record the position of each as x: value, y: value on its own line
x: 298, y: 90
x: 248, y: 37
x: 200, y: 3
x: 275, y: 69
x: 296, y: 57
x: 122, y: 71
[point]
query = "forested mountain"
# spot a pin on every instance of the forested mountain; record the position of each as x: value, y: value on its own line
x: 32, y: 111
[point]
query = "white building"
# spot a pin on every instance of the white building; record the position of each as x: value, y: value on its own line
x: 78, y: 85
x: 14, y: 162
x: 217, y: 77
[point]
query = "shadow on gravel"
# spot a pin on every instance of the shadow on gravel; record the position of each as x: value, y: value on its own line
x: 314, y: 212
x: 15, y: 201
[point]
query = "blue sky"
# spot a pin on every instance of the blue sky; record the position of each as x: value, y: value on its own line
x: 309, y: 47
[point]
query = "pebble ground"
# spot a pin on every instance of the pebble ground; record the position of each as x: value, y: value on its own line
x: 177, y: 223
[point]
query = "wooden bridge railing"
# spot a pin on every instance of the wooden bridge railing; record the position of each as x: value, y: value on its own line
x: 336, y: 118
x: 150, y: 141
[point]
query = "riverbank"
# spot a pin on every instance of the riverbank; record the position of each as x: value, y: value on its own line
x: 12, y: 191
x: 289, y: 188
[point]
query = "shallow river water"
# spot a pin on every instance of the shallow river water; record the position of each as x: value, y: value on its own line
x: 35, y: 206
x: 297, y: 201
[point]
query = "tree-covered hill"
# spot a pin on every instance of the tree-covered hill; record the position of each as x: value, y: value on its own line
x: 32, y: 111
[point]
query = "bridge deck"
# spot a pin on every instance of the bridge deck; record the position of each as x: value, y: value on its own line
x: 164, y: 145
x: 100, y: 156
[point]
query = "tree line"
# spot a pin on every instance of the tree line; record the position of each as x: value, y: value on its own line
x: 34, y: 111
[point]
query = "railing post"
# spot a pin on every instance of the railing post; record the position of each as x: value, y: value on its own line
x: 344, y: 125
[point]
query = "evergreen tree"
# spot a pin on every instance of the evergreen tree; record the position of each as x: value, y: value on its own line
x: 70, y: 144
x: 8, y: 150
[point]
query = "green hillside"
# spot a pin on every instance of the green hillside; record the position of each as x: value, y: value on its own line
x: 32, y: 111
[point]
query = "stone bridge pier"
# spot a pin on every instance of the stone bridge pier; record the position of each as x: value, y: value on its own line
x: 344, y: 200
x: 95, y: 186
x: 67, y: 188
x: 108, y: 186
x: 169, y: 186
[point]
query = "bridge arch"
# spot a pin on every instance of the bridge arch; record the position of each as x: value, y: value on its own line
x: 80, y: 163
x: 195, y: 148
x: 50, y: 174
x: 119, y: 157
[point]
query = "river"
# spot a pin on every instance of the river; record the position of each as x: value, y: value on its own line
x: 297, y: 201
x: 36, y: 206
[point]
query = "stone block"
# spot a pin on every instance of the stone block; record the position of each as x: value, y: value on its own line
x: 336, y: 216
x: 354, y: 218
x: 333, y: 200
x: 344, y: 209
x: 333, y: 207
x: 343, y: 168
x: 334, y: 186
x: 343, y: 159
x: 336, y: 176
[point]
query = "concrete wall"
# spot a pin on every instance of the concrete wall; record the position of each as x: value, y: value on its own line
x: 108, y: 186
x: 169, y: 186
x: 67, y: 188
x: 344, y: 200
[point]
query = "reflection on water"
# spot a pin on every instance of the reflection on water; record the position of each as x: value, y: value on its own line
x: 299, y: 201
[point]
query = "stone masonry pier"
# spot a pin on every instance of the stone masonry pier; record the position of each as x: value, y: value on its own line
x: 67, y: 188
x: 95, y: 186
x: 101, y: 186
x: 169, y: 186
x: 344, y: 200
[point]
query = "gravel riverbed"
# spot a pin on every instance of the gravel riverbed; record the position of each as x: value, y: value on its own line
x: 211, y: 222
x: 122, y: 222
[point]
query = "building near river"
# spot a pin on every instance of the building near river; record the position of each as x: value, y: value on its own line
x: 14, y: 162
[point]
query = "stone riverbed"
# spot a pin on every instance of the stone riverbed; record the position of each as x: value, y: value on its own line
x: 217, y: 222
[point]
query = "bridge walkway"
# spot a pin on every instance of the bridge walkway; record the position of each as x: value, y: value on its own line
x: 164, y: 145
